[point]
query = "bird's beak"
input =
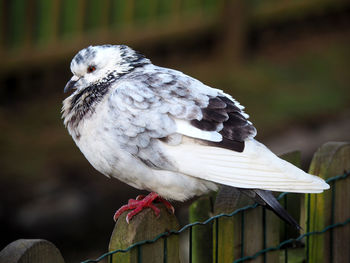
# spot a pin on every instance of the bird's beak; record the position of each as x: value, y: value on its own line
x: 71, y: 84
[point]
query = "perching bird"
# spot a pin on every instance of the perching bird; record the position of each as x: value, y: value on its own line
x: 160, y: 130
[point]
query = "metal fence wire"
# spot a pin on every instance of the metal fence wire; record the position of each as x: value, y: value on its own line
x: 215, y: 219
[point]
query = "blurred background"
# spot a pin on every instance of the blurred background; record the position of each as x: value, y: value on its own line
x: 288, y: 62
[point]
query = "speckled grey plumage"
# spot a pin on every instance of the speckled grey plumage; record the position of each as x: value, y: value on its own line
x: 161, y: 130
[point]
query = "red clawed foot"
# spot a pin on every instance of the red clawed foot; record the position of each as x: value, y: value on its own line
x: 141, y: 202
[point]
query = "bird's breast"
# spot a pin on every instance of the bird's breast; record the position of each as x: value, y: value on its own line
x: 101, y: 146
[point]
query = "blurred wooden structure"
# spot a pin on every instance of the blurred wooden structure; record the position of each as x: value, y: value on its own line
x: 250, y: 234
x: 36, y: 32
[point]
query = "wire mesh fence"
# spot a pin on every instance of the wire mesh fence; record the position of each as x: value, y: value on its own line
x: 215, y: 220
x: 249, y: 233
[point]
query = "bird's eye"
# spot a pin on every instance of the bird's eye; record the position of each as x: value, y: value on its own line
x: 91, y: 69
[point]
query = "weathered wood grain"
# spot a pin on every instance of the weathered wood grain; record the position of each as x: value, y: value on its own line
x: 202, y: 236
x: 331, y: 159
x: 228, y: 242
x: 145, y: 226
x: 31, y: 251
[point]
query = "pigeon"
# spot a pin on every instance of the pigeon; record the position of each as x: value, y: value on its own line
x: 160, y: 130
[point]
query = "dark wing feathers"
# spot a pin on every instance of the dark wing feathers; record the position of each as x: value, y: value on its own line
x: 230, y: 198
x: 216, y: 103
x: 237, y: 146
x: 215, y: 115
x: 205, y: 125
x: 272, y: 204
x: 230, y: 105
x: 237, y: 128
x: 226, y: 117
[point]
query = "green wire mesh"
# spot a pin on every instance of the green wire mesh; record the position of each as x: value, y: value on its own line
x: 240, y: 210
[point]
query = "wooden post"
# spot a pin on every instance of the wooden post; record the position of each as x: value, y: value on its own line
x: 292, y: 203
x: 227, y: 240
x: 233, y: 33
x: 145, y: 226
x: 30, y: 251
x: 3, y: 24
x: 202, y: 236
x: 293, y: 199
x: 232, y: 242
x: 331, y: 159
x: 56, y: 13
x: 28, y: 25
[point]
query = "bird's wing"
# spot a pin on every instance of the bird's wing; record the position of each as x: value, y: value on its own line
x: 254, y: 168
x: 172, y: 121
x: 164, y: 102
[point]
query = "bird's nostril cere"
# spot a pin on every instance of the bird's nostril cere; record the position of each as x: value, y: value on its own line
x: 69, y: 86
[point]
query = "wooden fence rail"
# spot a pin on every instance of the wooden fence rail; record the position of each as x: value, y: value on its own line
x: 245, y: 235
x: 35, y: 32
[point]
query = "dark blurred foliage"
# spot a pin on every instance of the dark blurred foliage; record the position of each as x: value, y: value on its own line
x: 286, y: 61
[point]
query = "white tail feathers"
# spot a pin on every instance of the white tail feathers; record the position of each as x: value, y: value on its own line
x: 255, y: 168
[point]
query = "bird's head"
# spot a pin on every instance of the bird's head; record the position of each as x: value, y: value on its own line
x: 98, y: 63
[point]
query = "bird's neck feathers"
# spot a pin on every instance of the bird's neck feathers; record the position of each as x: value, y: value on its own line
x: 82, y: 103
x: 131, y: 59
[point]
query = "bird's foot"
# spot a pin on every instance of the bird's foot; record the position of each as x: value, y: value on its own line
x: 159, y: 199
x: 141, y: 202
